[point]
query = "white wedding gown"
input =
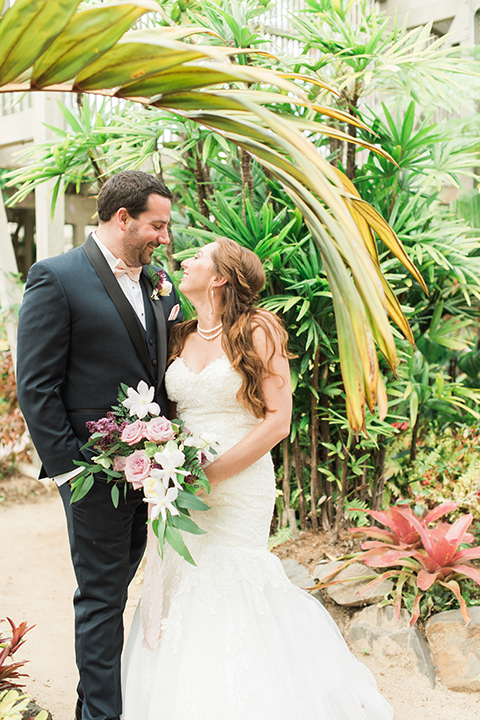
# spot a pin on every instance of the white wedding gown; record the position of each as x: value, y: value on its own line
x: 238, y: 640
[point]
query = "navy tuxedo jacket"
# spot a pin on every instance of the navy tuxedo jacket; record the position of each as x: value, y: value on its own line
x: 74, y: 350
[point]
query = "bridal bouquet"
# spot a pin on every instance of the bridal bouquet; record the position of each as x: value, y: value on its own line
x: 134, y: 444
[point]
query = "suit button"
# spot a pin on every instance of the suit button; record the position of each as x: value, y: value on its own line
x: 151, y: 341
x: 154, y: 361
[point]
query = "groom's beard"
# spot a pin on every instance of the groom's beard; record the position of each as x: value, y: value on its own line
x: 137, y: 251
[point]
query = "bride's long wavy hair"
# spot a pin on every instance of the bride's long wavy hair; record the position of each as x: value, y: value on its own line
x: 245, y: 277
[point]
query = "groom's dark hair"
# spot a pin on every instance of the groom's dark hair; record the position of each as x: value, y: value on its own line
x: 129, y: 189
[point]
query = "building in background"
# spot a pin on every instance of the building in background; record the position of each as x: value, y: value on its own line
x: 459, y: 17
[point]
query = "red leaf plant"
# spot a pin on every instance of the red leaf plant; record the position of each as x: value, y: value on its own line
x: 9, y: 644
x: 421, y: 555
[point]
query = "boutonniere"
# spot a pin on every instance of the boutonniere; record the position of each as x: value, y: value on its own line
x: 161, y: 286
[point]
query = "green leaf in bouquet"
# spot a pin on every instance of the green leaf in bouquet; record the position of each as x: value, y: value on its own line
x: 96, y: 435
x: 88, y: 444
x: 174, y: 538
x: 114, y: 474
x: 83, y: 463
x: 188, y: 500
x: 122, y: 393
x: 115, y: 495
x: 183, y: 522
x: 150, y: 448
x: 203, y: 482
x: 80, y: 486
x: 112, y: 450
x: 159, y: 529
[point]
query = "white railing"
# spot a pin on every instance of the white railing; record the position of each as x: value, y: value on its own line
x: 11, y: 103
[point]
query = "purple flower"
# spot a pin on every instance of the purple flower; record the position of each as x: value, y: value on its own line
x: 109, y: 428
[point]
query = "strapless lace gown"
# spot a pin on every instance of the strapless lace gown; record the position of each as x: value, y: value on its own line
x: 232, y: 638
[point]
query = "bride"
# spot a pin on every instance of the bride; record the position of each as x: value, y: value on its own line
x: 231, y: 638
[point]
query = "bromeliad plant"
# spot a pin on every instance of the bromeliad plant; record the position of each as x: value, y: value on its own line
x: 13, y: 703
x: 422, y: 551
x: 9, y: 644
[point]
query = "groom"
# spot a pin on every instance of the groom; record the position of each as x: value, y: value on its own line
x: 87, y: 323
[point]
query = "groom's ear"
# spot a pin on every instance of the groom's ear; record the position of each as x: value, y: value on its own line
x: 122, y: 218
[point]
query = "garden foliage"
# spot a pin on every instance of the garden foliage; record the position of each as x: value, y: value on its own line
x: 404, y: 156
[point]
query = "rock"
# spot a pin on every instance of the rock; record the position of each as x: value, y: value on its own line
x: 352, y: 592
x: 297, y: 574
x: 380, y: 632
x: 33, y: 709
x: 456, y: 648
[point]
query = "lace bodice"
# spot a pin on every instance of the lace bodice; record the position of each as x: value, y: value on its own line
x: 242, y: 506
x: 207, y: 400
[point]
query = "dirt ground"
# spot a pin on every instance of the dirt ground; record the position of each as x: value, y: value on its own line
x: 37, y: 584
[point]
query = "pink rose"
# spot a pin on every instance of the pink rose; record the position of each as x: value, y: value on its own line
x: 119, y: 463
x: 159, y: 430
x: 134, y: 432
x: 137, y: 468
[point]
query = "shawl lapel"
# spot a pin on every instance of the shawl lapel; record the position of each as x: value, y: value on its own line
x: 161, y: 325
x: 123, y: 306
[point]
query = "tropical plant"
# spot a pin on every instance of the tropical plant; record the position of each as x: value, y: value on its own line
x: 48, y: 45
x: 13, y: 438
x: 446, y: 466
x: 13, y: 706
x: 13, y: 703
x: 419, y: 555
x: 10, y: 642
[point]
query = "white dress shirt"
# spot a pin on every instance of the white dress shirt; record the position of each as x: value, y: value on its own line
x: 134, y: 295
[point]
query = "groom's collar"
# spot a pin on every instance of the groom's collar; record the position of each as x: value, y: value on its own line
x: 107, y: 254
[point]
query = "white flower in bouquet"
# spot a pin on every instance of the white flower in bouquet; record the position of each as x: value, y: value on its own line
x: 140, y: 401
x: 171, y: 460
x: 203, y: 443
x: 161, y: 499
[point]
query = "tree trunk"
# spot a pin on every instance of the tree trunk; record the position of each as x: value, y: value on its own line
x: 286, y: 482
x: 351, y: 153
x: 413, y: 446
x: 302, y: 505
x: 351, y: 168
x: 343, y: 491
x: 200, y: 181
x: 247, y: 179
x: 364, y: 486
x: 380, y: 475
x: 324, y: 427
x: 314, y: 439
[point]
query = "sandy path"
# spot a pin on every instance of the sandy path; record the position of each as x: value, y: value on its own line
x: 37, y: 584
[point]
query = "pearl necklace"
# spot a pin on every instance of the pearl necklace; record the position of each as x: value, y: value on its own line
x: 210, y: 334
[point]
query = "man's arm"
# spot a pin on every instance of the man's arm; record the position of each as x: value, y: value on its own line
x: 43, y: 345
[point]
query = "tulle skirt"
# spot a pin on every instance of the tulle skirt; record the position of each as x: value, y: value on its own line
x: 247, y: 653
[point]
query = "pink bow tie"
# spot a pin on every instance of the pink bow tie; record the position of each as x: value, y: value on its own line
x: 121, y: 268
